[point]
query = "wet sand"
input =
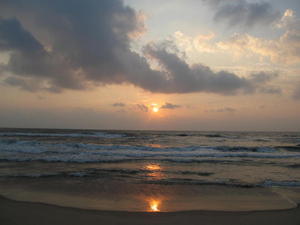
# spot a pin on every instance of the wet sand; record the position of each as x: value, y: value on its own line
x: 103, y: 194
x: 25, y: 213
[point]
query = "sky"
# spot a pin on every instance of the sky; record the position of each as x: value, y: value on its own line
x: 228, y: 65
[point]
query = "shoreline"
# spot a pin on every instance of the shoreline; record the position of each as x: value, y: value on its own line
x: 148, y: 212
x: 28, y: 213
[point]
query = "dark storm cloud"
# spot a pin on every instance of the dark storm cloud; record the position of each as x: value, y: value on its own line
x: 13, y: 36
x: 85, y: 40
x: 170, y: 106
x: 29, y: 59
x: 59, y: 44
x: 243, y: 13
x: 184, y: 78
x: 27, y: 85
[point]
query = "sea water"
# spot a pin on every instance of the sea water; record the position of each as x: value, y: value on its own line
x: 127, y: 170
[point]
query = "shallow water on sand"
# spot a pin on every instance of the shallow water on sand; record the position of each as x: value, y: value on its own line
x: 122, y: 196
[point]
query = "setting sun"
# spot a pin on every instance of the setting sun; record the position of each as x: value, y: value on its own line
x: 155, y: 109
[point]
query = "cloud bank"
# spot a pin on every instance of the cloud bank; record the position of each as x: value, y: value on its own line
x: 142, y: 107
x: 243, y: 13
x: 119, y: 104
x: 223, y: 110
x: 58, y: 44
x: 284, y: 49
x: 168, y: 105
x: 296, y: 93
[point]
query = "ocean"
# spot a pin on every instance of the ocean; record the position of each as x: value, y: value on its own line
x: 104, y: 169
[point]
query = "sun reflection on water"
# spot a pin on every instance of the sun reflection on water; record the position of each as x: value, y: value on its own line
x: 154, y: 171
x: 153, y: 167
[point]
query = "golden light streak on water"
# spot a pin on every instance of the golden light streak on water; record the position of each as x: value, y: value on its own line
x: 153, y: 167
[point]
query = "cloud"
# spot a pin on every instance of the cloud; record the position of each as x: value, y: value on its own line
x: 223, y: 110
x: 271, y: 90
x: 263, y: 77
x: 243, y: 13
x: 119, y: 104
x: 58, y: 44
x: 296, y: 94
x: 285, y: 49
x: 67, y: 45
x: 30, y: 60
x: 169, y: 106
x: 142, y: 107
x: 28, y: 85
x: 201, y: 43
x: 185, y: 78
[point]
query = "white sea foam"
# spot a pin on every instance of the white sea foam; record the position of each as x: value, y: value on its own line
x: 28, y: 150
x: 104, y: 155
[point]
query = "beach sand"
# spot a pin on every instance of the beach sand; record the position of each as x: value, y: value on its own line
x: 25, y: 213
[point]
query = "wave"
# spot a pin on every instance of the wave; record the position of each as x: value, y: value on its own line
x: 226, y: 182
x: 133, y: 157
x: 272, y: 183
x: 13, y: 144
x: 138, y: 176
x: 83, y: 173
x: 290, y: 148
x: 14, y: 150
x: 293, y: 166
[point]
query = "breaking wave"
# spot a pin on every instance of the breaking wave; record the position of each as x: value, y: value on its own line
x: 22, y: 150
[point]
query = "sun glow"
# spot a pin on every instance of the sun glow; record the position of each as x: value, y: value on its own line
x: 155, y: 109
x: 154, y: 205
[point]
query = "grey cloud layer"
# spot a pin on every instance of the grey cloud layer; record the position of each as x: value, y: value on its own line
x: 296, y: 94
x: 119, y: 104
x: 58, y: 44
x: 243, y: 13
x: 142, y: 107
x: 223, y: 110
x: 168, y: 105
x: 185, y: 78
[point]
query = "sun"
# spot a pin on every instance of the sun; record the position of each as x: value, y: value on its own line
x: 155, y: 109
